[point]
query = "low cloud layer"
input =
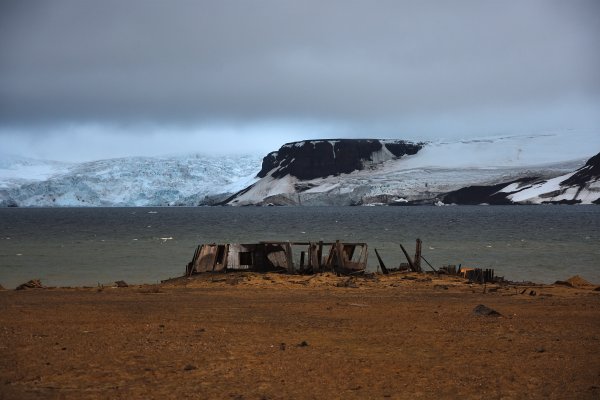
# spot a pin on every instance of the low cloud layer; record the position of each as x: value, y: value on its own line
x: 386, y: 68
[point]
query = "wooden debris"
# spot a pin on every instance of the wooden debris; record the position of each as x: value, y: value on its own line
x: 448, y: 269
x: 410, y: 261
x: 417, y: 261
x: 381, y: 263
x: 430, y: 266
x: 290, y: 257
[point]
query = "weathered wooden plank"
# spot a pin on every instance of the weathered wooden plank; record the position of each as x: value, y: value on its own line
x: 410, y: 262
x: 417, y: 260
x: 381, y: 263
x: 430, y: 266
x: 320, y: 256
x: 289, y: 258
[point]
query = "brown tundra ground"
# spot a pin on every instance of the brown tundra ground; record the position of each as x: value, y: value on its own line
x: 269, y: 336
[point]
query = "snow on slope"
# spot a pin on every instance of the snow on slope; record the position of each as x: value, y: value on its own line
x: 439, y: 167
x: 579, y: 187
x: 140, y: 181
x: 15, y: 171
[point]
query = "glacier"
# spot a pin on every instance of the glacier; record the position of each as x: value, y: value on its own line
x: 184, y: 180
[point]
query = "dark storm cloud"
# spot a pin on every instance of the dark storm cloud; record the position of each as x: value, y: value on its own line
x: 350, y: 61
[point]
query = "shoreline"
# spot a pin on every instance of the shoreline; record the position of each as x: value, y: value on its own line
x: 257, y: 336
x: 315, y: 280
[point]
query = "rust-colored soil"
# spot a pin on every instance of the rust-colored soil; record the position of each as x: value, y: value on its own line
x: 275, y: 337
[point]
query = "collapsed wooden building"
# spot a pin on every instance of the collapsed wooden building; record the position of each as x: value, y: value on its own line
x: 290, y: 257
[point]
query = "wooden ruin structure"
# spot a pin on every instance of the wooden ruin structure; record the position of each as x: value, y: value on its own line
x: 314, y: 257
x: 290, y: 257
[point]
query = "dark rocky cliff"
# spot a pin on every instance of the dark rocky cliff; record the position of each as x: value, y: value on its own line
x: 320, y: 158
x: 590, y: 171
x: 481, y: 194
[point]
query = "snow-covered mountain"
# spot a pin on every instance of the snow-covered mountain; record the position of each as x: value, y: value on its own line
x: 367, y: 172
x: 500, y: 170
x: 578, y: 187
x: 139, y: 181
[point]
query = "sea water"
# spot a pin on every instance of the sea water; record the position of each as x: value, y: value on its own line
x: 87, y: 246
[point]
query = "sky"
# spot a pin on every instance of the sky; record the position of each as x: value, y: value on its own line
x: 88, y: 79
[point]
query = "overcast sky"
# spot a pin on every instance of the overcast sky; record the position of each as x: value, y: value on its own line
x: 92, y: 79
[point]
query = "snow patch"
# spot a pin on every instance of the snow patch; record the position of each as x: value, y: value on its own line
x: 533, y: 193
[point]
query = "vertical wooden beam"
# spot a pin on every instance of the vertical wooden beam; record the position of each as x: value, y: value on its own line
x: 226, y: 257
x: 191, y: 267
x: 417, y: 261
x: 320, y: 256
x: 339, y: 250
x: 289, y: 258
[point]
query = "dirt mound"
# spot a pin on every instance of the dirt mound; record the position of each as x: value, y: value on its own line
x: 576, y: 282
x: 579, y: 282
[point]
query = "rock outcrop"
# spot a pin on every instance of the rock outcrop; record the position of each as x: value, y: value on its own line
x: 312, y: 159
x: 306, y: 172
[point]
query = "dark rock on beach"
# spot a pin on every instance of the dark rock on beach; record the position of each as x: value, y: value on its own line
x: 32, y: 284
x: 485, y: 311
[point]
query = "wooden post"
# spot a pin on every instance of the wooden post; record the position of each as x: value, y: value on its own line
x: 312, y: 258
x: 320, y: 256
x: 417, y: 261
x: 410, y: 262
x: 339, y: 251
x: 381, y: 264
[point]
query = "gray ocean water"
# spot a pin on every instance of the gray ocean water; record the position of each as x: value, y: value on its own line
x: 87, y: 246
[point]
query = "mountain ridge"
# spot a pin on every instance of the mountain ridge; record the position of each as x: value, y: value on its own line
x: 337, y: 172
x: 424, y: 175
